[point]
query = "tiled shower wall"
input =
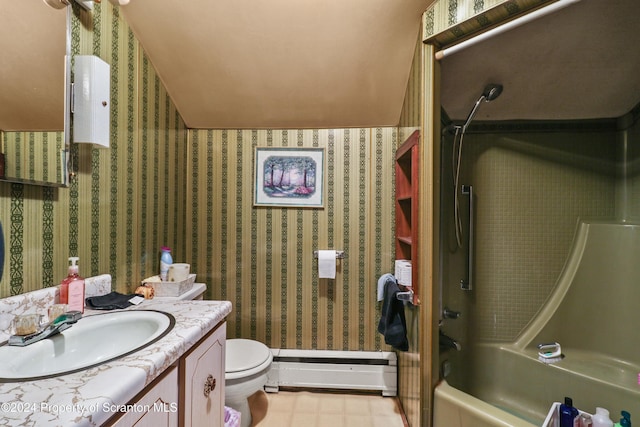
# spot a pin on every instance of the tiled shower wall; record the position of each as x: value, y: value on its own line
x: 531, y: 189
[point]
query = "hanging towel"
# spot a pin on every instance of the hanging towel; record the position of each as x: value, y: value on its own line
x: 381, y: 282
x: 393, y: 324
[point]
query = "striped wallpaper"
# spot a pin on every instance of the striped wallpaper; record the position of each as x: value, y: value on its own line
x: 409, y: 379
x: 161, y: 184
x: 261, y: 258
x: 124, y: 202
x: 34, y: 156
x: 448, y: 21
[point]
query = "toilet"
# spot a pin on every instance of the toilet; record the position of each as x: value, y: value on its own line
x: 247, y: 363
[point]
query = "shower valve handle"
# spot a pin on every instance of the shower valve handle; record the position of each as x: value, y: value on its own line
x: 450, y: 314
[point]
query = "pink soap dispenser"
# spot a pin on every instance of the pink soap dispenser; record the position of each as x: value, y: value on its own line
x: 72, y: 287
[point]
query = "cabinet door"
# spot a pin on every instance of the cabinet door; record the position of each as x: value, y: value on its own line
x: 158, y: 407
x: 203, y: 375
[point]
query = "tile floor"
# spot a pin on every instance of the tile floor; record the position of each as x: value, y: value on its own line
x: 320, y: 409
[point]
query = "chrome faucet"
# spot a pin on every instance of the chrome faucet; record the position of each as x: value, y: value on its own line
x: 448, y: 343
x: 59, y: 324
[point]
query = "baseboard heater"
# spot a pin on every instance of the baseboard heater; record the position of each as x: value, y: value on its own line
x: 327, y: 369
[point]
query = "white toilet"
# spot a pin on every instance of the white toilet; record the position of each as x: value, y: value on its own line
x: 247, y: 363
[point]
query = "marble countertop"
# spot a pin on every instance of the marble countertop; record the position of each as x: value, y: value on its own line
x: 91, y: 397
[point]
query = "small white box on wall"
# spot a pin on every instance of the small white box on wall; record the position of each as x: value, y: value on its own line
x: 403, y: 272
x: 91, y: 100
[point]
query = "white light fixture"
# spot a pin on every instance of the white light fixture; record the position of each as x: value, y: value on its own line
x: 91, y: 101
x: 87, y: 4
x: 57, y: 4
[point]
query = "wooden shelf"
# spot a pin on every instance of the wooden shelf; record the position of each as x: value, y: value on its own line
x: 406, y: 205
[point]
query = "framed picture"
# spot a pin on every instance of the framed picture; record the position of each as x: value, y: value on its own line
x: 289, y: 177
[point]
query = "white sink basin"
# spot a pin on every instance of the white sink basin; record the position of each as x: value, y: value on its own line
x: 90, y: 342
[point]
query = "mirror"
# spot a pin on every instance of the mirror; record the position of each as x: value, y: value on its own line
x: 34, y: 81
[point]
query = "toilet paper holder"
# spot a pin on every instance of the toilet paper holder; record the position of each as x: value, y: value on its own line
x: 339, y: 254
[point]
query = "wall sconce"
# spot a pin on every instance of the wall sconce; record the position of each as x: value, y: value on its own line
x: 91, y: 99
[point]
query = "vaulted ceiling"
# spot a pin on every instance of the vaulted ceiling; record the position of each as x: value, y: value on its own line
x: 281, y: 63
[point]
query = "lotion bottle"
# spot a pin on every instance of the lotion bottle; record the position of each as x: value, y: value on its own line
x: 72, y: 288
x: 165, y: 262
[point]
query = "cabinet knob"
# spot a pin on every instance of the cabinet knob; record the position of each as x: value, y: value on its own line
x: 209, y: 385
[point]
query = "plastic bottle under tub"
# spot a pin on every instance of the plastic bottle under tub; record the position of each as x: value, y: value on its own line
x: 568, y: 414
x: 601, y: 418
x: 625, y: 421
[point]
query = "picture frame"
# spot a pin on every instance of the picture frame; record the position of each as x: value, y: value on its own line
x: 289, y: 177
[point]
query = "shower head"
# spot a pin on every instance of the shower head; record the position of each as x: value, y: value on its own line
x: 491, y: 92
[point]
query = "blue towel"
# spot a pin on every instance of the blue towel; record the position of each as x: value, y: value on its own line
x: 393, y: 324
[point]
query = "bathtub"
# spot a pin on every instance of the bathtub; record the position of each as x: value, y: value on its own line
x: 504, y: 384
x: 510, y: 387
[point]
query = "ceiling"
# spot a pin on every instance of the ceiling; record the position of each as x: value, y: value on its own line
x: 281, y: 63
x: 581, y: 62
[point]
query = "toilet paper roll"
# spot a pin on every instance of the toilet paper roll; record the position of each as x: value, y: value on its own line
x: 327, y: 264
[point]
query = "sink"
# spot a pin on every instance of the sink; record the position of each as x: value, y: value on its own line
x: 92, y: 341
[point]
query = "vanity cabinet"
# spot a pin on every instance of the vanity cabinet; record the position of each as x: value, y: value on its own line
x: 202, y: 380
x: 156, y: 406
x: 188, y: 394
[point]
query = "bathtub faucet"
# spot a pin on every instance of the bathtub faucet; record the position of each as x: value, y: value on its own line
x: 450, y: 314
x: 448, y: 343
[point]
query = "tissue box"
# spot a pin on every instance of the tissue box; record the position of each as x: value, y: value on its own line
x: 170, y: 289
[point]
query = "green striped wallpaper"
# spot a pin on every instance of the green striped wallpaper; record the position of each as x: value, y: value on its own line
x: 449, y: 21
x: 409, y: 363
x: 124, y: 202
x: 161, y: 184
x: 261, y: 258
x: 34, y: 156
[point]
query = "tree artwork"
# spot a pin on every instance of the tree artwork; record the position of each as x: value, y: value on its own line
x: 289, y: 176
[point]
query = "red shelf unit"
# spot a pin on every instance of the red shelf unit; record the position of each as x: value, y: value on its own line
x: 406, y: 204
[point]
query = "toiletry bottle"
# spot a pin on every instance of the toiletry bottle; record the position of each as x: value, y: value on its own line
x: 568, y: 414
x: 165, y: 262
x: 625, y: 421
x: 585, y: 420
x: 601, y: 418
x: 72, y: 287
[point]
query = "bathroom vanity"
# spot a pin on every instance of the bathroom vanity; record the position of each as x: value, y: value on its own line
x: 177, y: 380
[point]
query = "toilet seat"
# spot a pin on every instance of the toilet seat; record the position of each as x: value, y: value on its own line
x: 244, y: 358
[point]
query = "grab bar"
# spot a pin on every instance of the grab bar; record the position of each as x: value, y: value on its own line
x: 466, y: 284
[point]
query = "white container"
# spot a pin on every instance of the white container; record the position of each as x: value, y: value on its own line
x: 170, y: 289
x: 601, y: 418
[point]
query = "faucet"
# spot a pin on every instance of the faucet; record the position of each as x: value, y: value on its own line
x: 447, y: 343
x: 59, y: 324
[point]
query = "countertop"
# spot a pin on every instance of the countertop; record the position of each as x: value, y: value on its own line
x: 91, y: 397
